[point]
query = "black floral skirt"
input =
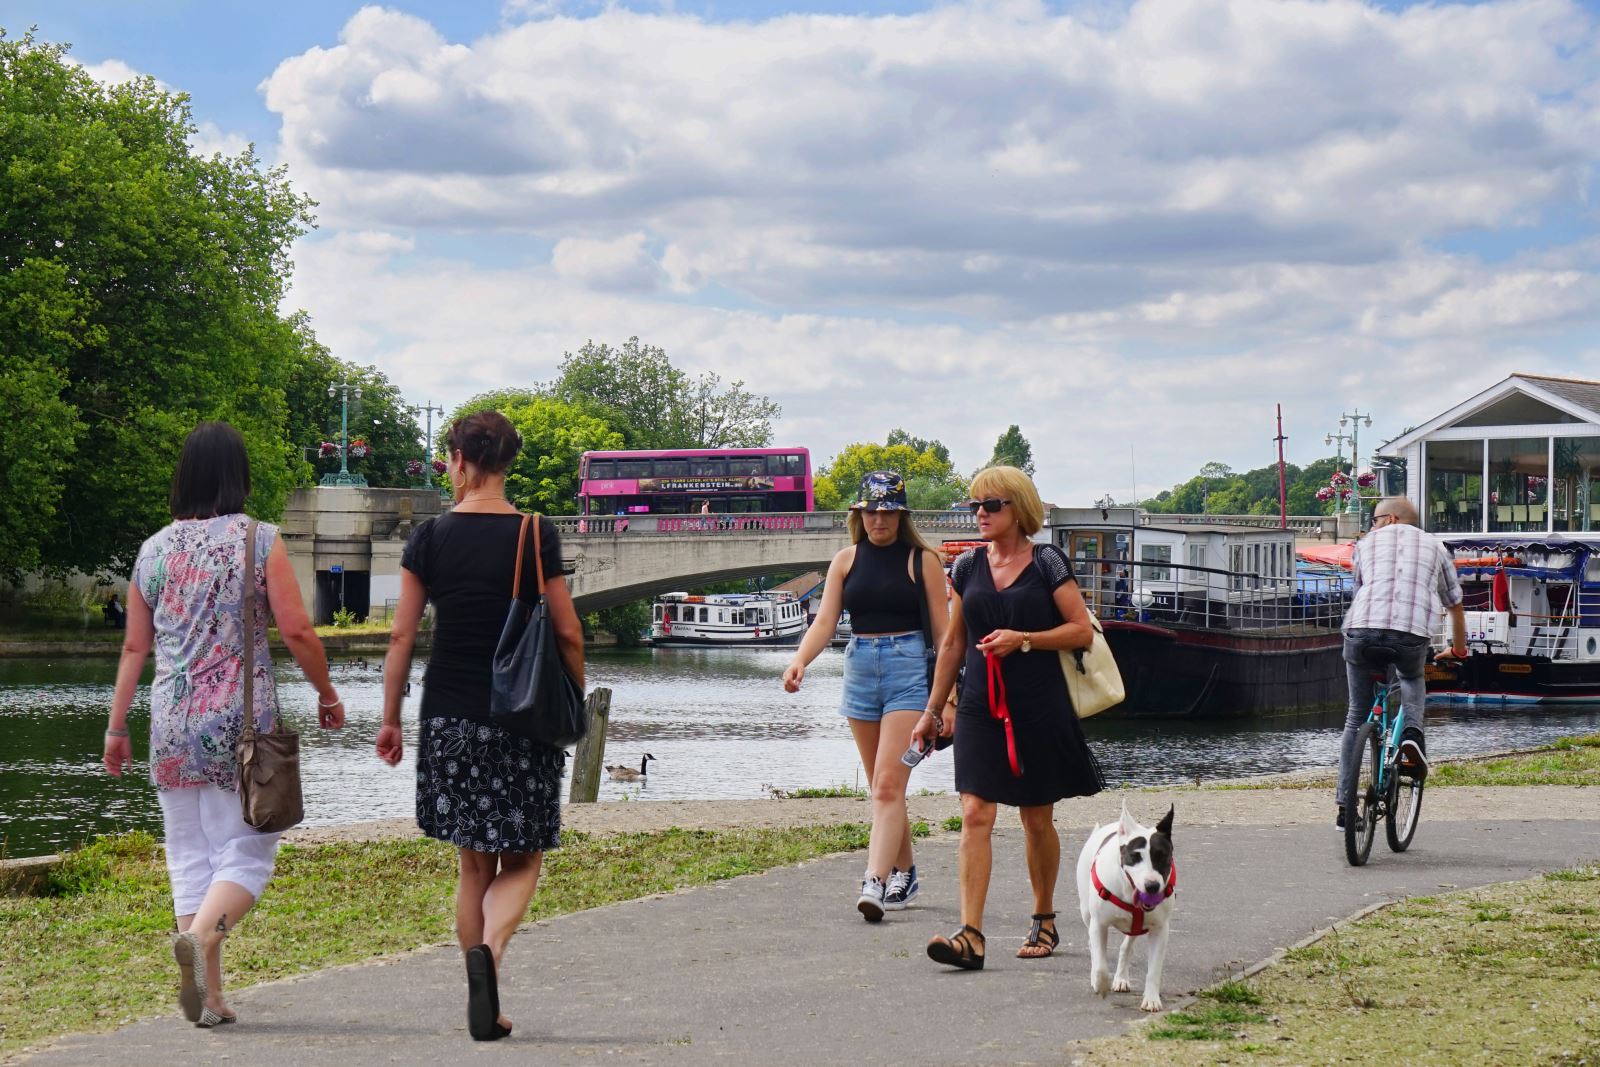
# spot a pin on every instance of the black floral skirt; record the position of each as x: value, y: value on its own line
x: 481, y: 788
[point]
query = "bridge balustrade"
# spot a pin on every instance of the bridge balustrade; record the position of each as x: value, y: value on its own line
x: 953, y: 522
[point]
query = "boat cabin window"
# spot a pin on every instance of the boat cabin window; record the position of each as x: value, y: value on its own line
x: 1197, y: 555
x: 1156, y: 554
x: 659, y: 614
x: 738, y: 618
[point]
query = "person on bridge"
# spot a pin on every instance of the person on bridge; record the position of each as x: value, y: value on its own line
x: 887, y: 577
x: 1019, y: 743
x: 187, y: 600
x: 1402, y: 575
x: 492, y: 793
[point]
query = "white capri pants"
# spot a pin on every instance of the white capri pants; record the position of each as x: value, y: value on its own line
x: 208, y: 841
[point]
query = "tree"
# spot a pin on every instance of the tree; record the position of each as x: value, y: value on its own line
x: 1210, y: 474
x: 653, y: 404
x: 918, y: 444
x: 625, y: 622
x: 1013, y: 450
x: 835, y: 486
x: 139, y: 294
x: 555, y: 435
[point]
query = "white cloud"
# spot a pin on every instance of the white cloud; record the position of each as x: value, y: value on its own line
x: 116, y: 72
x: 1142, y: 228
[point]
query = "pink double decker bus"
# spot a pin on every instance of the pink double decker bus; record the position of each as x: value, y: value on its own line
x: 690, y: 481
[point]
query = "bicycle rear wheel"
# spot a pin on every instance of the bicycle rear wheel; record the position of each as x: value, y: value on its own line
x: 1405, y: 808
x: 1361, y: 798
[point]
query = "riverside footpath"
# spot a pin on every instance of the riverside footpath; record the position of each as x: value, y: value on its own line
x: 777, y: 968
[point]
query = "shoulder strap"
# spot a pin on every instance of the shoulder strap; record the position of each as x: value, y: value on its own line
x: 516, y: 577
x: 922, y: 597
x: 538, y: 555
x: 247, y: 626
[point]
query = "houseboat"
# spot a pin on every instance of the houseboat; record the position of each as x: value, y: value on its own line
x: 1509, y: 481
x: 1208, y: 620
x: 727, y: 620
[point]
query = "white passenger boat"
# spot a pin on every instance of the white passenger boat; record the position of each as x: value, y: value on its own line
x: 726, y: 620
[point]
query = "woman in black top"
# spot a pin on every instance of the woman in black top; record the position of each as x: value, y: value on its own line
x: 493, y: 794
x: 888, y: 579
x: 1016, y: 606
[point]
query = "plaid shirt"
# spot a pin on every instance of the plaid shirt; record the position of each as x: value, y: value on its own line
x: 1402, y: 576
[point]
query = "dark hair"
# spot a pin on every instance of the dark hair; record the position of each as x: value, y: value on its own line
x: 487, y: 440
x: 213, y: 475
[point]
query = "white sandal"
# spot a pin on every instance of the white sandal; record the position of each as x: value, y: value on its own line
x: 191, y: 976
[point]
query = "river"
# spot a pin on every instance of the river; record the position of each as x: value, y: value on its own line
x: 718, y: 723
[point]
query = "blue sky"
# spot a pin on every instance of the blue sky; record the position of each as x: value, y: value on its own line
x: 1123, y: 226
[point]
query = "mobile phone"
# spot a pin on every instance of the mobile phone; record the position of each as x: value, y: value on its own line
x: 914, y: 755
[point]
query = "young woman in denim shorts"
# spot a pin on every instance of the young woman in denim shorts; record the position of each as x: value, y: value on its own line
x: 885, y: 672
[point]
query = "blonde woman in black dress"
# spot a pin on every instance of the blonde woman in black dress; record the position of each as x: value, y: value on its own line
x: 1016, y: 605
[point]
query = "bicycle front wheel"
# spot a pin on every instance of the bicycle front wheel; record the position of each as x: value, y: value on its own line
x: 1405, y: 807
x: 1361, y: 798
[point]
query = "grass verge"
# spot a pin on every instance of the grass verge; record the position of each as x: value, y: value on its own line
x: 1567, y: 761
x: 1502, y: 974
x: 93, y: 954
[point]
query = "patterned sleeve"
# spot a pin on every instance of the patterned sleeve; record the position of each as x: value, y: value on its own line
x: 961, y: 569
x: 1055, y: 566
x: 141, y: 577
x: 414, y: 557
x: 266, y: 537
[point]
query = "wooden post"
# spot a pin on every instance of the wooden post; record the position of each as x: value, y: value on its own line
x: 587, y: 764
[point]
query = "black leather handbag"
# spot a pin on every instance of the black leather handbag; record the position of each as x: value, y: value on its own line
x: 531, y: 693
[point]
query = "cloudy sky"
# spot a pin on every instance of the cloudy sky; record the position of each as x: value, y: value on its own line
x: 1130, y: 228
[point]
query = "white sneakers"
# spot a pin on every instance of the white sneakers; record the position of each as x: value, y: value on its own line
x: 871, y: 903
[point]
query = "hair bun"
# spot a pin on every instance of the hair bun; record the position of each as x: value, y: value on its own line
x: 485, y: 439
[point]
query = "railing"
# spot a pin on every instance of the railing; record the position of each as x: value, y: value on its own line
x: 1560, y: 635
x: 1179, y: 595
x: 1309, y: 525
x: 953, y: 522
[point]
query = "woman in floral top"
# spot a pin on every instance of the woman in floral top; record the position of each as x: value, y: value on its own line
x: 187, y: 601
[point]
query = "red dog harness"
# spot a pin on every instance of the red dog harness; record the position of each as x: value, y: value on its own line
x: 999, y: 709
x: 1135, y: 909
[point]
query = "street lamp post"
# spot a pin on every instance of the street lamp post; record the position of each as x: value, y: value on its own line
x: 342, y: 390
x: 1356, y: 418
x: 430, y: 409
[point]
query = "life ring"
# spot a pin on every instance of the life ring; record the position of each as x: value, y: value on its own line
x: 666, y: 624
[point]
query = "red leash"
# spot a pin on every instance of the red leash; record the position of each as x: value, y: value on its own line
x: 999, y: 709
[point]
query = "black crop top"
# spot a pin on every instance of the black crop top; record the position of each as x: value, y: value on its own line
x: 878, y: 592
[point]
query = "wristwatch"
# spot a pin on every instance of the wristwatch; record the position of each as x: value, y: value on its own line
x: 1027, y: 642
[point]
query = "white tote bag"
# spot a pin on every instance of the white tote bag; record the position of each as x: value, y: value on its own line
x: 1093, y: 680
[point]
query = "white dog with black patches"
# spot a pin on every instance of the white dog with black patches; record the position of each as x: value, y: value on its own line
x: 1126, y: 880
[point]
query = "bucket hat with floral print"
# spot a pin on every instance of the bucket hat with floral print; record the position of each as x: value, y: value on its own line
x: 882, y: 491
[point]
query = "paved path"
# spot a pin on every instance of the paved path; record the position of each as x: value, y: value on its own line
x: 777, y: 968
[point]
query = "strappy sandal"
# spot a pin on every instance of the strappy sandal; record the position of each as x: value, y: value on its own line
x: 1039, y: 937
x: 957, y: 949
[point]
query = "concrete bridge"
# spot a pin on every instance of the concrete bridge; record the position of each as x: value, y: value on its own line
x: 613, y: 561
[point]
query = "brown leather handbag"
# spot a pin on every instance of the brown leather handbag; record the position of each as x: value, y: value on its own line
x: 269, y: 764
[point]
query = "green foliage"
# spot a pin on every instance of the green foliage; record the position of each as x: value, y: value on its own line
x: 628, y: 623
x: 952, y: 823
x: 555, y: 434
x: 1218, y: 490
x: 918, y: 444
x: 139, y: 293
x: 929, y: 471
x: 344, y: 618
x: 1012, y: 450
x: 639, y: 393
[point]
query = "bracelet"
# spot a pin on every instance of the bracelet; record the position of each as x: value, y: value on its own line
x: 336, y: 703
x: 111, y: 732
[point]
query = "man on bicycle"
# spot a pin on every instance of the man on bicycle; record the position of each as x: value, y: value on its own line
x: 1402, y: 577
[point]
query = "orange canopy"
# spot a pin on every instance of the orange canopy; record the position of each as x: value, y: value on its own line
x: 1334, y: 555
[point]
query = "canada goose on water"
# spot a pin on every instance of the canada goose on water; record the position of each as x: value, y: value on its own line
x: 620, y: 773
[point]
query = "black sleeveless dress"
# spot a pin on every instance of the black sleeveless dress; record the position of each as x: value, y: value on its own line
x: 1054, y: 754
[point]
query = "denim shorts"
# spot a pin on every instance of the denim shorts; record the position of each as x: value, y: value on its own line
x: 881, y: 674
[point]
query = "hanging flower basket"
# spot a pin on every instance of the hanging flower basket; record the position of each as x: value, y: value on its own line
x: 1339, y: 478
x: 414, y: 468
x: 328, y: 450
x: 1325, y: 494
x: 440, y: 466
x: 1367, y: 480
x: 359, y: 448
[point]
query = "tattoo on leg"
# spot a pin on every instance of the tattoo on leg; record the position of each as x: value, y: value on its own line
x: 222, y: 924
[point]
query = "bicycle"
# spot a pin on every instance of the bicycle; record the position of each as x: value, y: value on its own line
x: 1378, y: 788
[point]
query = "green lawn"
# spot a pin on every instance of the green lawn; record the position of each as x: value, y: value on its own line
x: 1506, y: 974
x: 94, y: 954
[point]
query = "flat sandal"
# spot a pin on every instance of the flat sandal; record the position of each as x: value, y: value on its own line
x: 1039, y: 937
x: 957, y: 949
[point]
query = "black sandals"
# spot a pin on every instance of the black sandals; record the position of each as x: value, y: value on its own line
x: 483, y: 996
x: 1039, y: 937
x: 958, y: 950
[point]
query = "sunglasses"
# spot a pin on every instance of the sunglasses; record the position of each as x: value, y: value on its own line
x: 991, y: 505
